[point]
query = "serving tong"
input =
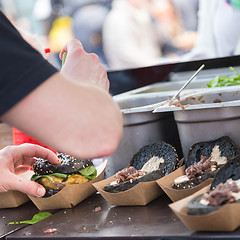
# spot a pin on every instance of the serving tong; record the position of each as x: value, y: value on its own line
x: 165, y: 103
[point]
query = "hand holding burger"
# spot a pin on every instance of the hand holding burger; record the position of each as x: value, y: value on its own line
x: 18, y: 159
x: 55, y: 177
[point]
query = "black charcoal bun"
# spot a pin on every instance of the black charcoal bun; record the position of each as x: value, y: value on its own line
x: 230, y: 170
x: 161, y: 150
x: 193, y: 182
x: 68, y: 165
x: 195, y: 208
x: 227, y: 148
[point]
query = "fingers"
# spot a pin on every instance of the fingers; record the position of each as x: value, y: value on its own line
x: 12, y: 157
x: 26, y: 186
x: 25, y: 153
x: 107, y: 85
x: 70, y: 46
x: 21, y: 169
x: 83, y: 67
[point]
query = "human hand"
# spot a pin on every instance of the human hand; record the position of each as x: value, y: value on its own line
x: 18, y: 159
x: 83, y: 67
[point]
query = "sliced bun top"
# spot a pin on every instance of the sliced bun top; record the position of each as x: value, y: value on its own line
x: 160, y: 150
x: 227, y: 149
x: 68, y: 165
x: 230, y: 170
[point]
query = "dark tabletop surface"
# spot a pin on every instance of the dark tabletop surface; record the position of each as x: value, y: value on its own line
x: 84, y: 221
x: 23, y: 212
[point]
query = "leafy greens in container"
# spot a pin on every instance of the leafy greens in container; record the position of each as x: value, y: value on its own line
x: 223, y: 81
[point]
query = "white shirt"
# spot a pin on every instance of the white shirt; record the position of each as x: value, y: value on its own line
x: 129, y: 39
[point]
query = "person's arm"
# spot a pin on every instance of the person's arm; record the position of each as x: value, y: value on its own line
x: 18, y: 159
x: 79, y: 119
x: 83, y: 67
x: 69, y: 111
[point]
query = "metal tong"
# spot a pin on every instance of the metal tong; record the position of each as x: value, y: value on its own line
x: 167, y: 102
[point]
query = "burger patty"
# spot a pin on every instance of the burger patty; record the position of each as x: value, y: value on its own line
x: 58, y: 183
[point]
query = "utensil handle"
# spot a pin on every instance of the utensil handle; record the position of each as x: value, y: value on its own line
x: 64, y: 58
x: 191, y: 78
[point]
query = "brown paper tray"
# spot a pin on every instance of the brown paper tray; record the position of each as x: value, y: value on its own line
x: 141, y: 194
x: 166, y: 182
x: 226, y: 218
x: 70, y: 195
x: 12, y: 199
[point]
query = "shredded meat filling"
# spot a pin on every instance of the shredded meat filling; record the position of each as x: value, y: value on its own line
x: 222, y: 193
x: 128, y: 173
x: 200, y: 168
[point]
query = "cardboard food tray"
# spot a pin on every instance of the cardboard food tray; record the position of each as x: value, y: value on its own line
x: 226, y: 218
x: 70, y: 195
x: 141, y: 194
x: 12, y: 199
x: 166, y: 185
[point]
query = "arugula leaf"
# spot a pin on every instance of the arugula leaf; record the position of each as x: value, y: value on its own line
x: 36, y: 218
x: 89, y: 172
x: 233, y: 69
x: 60, y: 175
x: 36, y: 177
x: 222, y: 81
x: 214, y: 82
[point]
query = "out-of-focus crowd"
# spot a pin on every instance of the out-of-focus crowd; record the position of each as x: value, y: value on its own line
x: 131, y: 33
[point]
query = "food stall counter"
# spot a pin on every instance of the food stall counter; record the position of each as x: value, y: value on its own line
x: 94, y: 218
x: 23, y: 212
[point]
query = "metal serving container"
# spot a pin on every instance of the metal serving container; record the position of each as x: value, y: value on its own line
x: 166, y: 87
x: 142, y: 128
x: 210, y: 114
x: 178, y: 79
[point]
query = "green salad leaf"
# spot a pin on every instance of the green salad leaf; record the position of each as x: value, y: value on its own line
x: 89, y: 172
x: 223, y: 81
x: 36, y: 177
x: 60, y: 175
x: 36, y: 218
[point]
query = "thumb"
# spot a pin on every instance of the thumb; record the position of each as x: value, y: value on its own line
x: 26, y: 186
x: 70, y: 46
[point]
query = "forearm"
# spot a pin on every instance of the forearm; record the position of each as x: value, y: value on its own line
x: 84, y: 122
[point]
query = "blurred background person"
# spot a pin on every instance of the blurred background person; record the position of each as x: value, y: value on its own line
x: 138, y: 33
x: 218, y: 30
x: 129, y: 39
x: 123, y: 33
x: 171, y: 18
x: 187, y: 11
x: 87, y: 26
x: 81, y: 19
